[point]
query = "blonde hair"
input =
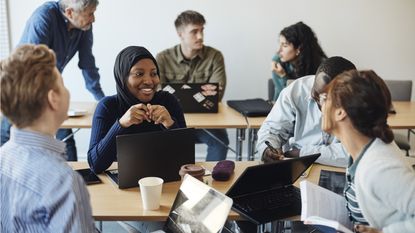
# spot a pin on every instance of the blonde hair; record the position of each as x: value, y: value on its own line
x: 27, y: 76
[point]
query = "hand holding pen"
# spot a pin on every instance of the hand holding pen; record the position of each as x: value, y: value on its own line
x: 272, y: 154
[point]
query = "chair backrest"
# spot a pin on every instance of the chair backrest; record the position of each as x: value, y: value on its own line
x: 271, y: 88
x: 401, y: 90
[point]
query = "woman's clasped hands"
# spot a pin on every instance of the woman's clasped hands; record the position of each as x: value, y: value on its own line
x: 138, y: 113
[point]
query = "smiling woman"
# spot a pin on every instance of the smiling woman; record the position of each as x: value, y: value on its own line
x: 137, y: 107
x: 143, y: 80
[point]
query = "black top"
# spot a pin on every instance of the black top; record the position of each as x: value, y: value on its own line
x: 105, y: 127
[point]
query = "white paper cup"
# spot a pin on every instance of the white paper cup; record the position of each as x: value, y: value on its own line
x: 150, y: 189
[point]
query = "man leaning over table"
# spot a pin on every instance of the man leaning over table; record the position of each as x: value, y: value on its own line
x: 193, y: 62
x: 39, y: 191
x: 65, y: 27
x: 293, y: 127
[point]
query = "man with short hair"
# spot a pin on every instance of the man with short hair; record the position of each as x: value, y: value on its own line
x: 293, y: 127
x: 193, y: 62
x: 39, y: 191
x: 66, y: 28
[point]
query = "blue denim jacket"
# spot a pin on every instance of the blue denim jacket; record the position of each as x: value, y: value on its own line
x: 48, y: 26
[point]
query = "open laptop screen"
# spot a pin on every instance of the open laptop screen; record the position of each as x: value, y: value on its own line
x: 269, y: 176
x: 198, y: 208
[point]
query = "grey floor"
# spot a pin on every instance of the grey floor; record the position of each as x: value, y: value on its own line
x: 110, y: 227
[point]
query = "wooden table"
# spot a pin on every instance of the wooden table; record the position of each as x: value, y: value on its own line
x: 84, y: 121
x: 403, y: 119
x: 112, y: 204
x: 225, y: 118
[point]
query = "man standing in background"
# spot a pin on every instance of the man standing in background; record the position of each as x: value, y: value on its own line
x: 65, y: 27
x: 193, y: 62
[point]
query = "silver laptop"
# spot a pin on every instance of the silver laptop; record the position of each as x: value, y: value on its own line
x: 198, y: 208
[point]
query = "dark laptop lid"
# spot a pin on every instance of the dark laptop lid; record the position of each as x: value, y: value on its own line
x: 268, y: 176
x: 160, y: 154
x: 193, y: 98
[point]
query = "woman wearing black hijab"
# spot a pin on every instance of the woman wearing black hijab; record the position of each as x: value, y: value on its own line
x: 137, y: 107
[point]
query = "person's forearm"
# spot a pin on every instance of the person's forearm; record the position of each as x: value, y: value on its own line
x: 103, y: 150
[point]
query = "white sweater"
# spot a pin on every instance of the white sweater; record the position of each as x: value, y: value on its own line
x: 385, y: 188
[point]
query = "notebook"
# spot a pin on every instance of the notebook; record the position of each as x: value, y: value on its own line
x: 193, y: 98
x: 160, y: 154
x: 265, y: 192
x: 197, y: 208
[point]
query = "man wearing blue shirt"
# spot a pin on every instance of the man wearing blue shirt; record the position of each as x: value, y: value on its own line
x: 66, y: 28
x: 293, y: 127
x: 39, y: 191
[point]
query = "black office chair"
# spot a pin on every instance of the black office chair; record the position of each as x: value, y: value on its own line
x: 401, y: 90
x: 271, y: 88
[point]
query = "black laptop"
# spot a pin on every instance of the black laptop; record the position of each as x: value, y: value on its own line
x: 193, y: 98
x: 160, y: 154
x: 265, y: 192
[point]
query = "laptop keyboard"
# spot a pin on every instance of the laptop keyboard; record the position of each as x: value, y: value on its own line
x: 271, y: 199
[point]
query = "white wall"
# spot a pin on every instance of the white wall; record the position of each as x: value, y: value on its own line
x: 374, y: 34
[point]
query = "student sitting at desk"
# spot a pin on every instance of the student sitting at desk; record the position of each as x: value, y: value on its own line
x: 137, y: 107
x: 293, y: 126
x: 193, y: 62
x: 381, y: 184
x: 39, y: 191
x: 299, y: 55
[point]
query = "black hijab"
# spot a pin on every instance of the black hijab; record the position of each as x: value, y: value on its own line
x: 126, y: 59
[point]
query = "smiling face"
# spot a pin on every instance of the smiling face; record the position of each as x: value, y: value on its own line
x: 287, y: 52
x: 143, y: 80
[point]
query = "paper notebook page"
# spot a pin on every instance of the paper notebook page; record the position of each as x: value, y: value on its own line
x: 318, y: 201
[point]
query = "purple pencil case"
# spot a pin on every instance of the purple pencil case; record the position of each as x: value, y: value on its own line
x: 223, y: 170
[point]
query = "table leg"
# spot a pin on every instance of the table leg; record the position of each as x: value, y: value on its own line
x: 71, y: 135
x: 252, y: 138
x: 240, y: 137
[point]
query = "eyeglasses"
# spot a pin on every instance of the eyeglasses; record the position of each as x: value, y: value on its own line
x: 322, y: 98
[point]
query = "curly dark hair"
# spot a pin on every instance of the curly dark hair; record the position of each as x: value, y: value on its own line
x: 311, y: 54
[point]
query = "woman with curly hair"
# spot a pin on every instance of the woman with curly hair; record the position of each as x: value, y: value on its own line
x: 299, y: 55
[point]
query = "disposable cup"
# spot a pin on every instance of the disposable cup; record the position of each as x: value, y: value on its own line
x: 150, y: 189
